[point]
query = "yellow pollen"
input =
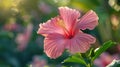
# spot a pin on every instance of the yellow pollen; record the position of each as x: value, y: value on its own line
x: 61, y: 23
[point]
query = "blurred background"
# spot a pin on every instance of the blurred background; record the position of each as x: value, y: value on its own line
x: 21, y: 46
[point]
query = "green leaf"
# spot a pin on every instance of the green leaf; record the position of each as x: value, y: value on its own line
x: 75, y: 59
x: 114, y: 63
x: 103, y: 48
x: 90, y: 53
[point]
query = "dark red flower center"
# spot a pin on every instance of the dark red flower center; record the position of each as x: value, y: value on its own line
x: 69, y: 35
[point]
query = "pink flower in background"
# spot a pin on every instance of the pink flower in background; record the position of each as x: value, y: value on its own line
x: 22, y: 39
x: 11, y: 26
x: 105, y: 59
x: 64, y: 32
x: 44, y: 7
x: 38, y: 62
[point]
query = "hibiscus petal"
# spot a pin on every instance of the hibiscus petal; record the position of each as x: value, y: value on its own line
x: 69, y: 16
x: 54, y: 45
x: 88, y: 21
x: 50, y: 27
x: 80, y: 43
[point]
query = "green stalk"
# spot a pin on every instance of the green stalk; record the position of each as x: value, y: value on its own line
x: 90, y: 64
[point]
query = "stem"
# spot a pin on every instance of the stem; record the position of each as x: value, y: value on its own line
x: 83, y: 59
x: 90, y: 64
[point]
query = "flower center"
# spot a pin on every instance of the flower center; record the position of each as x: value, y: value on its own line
x: 69, y: 36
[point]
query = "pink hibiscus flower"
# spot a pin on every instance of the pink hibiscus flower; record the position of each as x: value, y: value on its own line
x: 64, y: 32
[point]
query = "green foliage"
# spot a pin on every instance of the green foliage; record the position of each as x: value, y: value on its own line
x: 75, y: 59
x: 88, y: 58
x: 103, y: 48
